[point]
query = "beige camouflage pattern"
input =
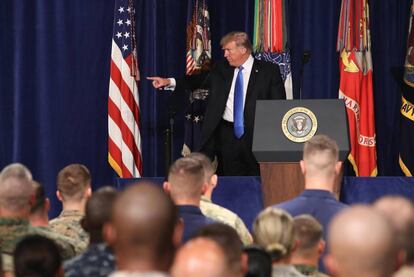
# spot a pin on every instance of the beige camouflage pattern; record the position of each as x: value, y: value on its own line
x: 68, y: 225
x: 223, y: 215
x: 12, y: 230
x: 309, y: 270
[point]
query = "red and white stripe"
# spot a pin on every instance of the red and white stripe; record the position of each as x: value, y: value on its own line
x: 124, y: 142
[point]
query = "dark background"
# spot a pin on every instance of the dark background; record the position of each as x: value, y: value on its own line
x: 54, y: 75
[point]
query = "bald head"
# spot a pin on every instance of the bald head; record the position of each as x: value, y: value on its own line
x: 142, y: 225
x: 391, y: 206
x: 201, y: 257
x: 362, y: 243
x: 16, y: 190
x: 186, y: 180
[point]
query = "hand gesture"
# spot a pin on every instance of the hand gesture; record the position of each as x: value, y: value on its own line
x: 158, y: 82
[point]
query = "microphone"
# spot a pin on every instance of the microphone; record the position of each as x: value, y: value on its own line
x: 306, y: 57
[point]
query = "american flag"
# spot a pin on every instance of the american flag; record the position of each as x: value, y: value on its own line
x: 124, y: 141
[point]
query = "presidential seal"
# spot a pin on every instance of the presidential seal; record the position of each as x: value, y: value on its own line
x: 299, y: 124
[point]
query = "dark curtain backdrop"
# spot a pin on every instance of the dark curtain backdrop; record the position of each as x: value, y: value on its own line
x: 54, y: 75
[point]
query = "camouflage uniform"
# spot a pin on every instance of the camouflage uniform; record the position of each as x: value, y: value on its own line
x: 12, y: 230
x: 309, y: 270
x: 68, y: 224
x: 97, y: 261
x: 223, y: 215
x: 67, y: 246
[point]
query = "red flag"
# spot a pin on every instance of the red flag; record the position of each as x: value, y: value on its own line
x: 124, y: 138
x: 356, y: 85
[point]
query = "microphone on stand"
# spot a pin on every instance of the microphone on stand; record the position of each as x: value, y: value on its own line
x: 306, y: 57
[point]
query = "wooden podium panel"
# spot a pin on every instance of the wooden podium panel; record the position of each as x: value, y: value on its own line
x: 280, y: 182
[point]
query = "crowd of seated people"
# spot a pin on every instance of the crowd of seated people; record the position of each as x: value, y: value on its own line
x: 176, y: 230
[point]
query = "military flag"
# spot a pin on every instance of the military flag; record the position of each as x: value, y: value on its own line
x: 407, y: 106
x: 270, y: 38
x: 356, y: 87
x: 198, y: 59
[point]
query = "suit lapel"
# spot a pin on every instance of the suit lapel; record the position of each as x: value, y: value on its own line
x: 252, y: 82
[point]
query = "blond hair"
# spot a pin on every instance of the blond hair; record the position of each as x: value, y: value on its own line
x: 273, y: 230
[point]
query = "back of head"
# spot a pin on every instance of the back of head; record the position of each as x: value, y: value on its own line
x: 308, y: 233
x: 73, y: 181
x: 39, y: 198
x: 273, y: 230
x: 202, y: 257
x: 240, y: 38
x: 98, y: 212
x: 205, y: 161
x: 143, y: 221
x: 362, y: 243
x: 391, y: 206
x: 15, y: 188
x: 228, y: 239
x: 37, y: 256
x: 320, y: 155
x: 186, y: 177
x: 259, y: 262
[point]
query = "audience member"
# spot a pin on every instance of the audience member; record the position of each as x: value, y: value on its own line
x: 185, y: 185
x: 37, y: 256
x: 39, y: 211
x: 321, y: 168
x: 202, y: 257
x: 310, y: 245
x: 16, y: 196
x: 259, y: 261
x: 273, y: 230
x: 229, y: 241
x: 73, y: 190
x: 400, y: 211
x: 98, y: 259
x: 362, y: 243
x: 144, y: 231
x: 214, y: 211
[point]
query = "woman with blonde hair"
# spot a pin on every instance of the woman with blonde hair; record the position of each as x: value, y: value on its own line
x: 273, y: 230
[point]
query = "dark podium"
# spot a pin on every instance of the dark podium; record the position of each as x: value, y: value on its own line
x: 278, y: 155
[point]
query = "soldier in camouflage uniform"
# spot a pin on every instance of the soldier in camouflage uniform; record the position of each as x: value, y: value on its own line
x: 98, y: 260
x: 214, y: 211
x: 16, y: 192
x: 309, y: 236
x: 73, y: 190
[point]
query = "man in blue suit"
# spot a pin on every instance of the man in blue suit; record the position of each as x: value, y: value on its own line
x: 222, y: 133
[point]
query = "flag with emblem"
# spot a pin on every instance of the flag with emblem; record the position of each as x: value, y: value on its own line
x: 355, y: 86
x: 270, y: 38
x: 198, y: 58
x: 124, y: 138
x: 407, y: 106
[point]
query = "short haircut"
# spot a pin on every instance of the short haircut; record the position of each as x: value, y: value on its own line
x: 259, y: 261
x: 273, y: 230
x: 72, y: 181
x: 240, y: 38
x: 308, y: 231
x: 39, y: 197
x: 145, y: 218
x: 320, y: 154
x: 15, y: 187
x: 205, y: 161
x: 98, y: 211
x: 227, y: 238
x: 186, y: 176
x: 36, y: 256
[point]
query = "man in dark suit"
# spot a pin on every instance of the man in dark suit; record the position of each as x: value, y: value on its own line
x: 227, y: 130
